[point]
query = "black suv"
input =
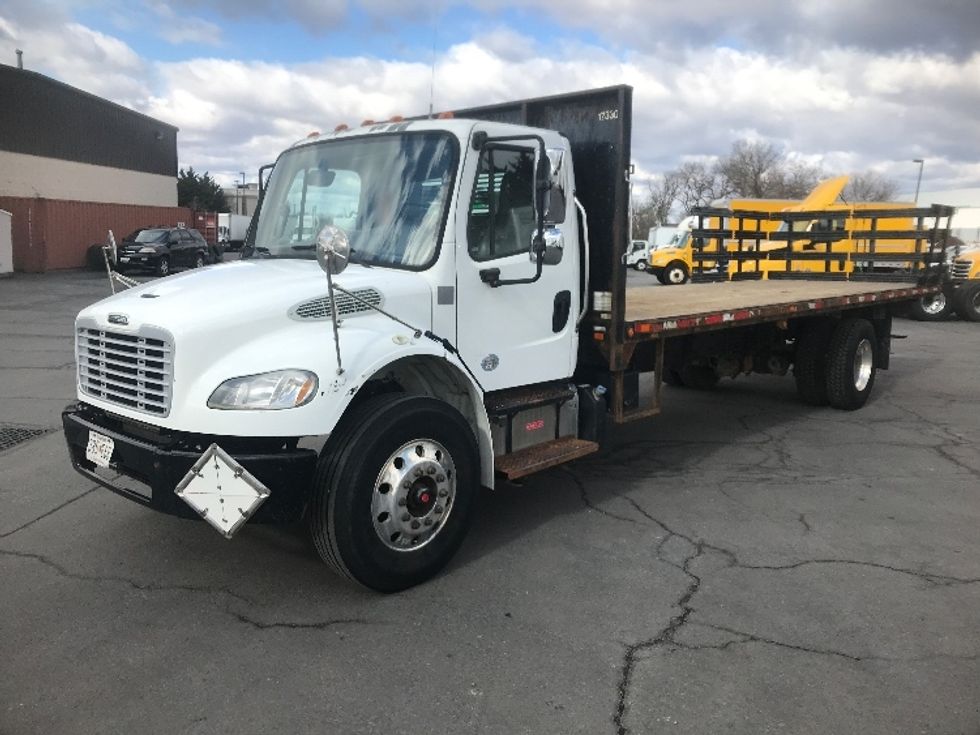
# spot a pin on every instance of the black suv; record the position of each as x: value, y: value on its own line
x: 162, y: 249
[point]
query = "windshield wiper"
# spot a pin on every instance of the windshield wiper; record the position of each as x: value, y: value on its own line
x: 307, y: 246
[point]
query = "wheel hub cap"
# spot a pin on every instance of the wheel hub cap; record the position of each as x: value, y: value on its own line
x: 863, y: 363
x: 413, y: 495
x: 934, y: 304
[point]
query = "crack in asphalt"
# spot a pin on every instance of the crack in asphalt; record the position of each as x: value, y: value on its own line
x: 667, y: 635
x: 318, y: 625
x: 199, y: 589
x: 135, y: 584
x: 7, y: 534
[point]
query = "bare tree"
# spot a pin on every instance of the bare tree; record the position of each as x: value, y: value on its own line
x: 870, y: 187
x: 698, y: 184
x: 750, y: 166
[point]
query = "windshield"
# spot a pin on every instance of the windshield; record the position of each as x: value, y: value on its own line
x: 387, y: 192
x: 151, y: 235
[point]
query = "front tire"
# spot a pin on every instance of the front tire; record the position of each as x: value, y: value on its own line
x: 640, y: 265
x: 675, y: 274
x: 851, y: 364
x: 394, y: 493
x: 967, y: 301
x: 163, y: 267
x: 933, y: 308
x: 199, y: 260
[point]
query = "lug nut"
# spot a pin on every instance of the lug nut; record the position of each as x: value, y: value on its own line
x: 431, y: 471
x: 441, y: 478
x: 443, y: 493
x: 438, y: 509
x: 406, y: 516
x: 415, y: 524
x: 402, y: 502
x: 407, y: 485
x: 428, y: 521
x: 418, y: 472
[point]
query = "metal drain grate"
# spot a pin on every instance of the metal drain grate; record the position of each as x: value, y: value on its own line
x: 11, y: 436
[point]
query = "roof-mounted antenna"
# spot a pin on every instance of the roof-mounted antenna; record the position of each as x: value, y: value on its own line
x: 432, y: 76
x: 20, y: 59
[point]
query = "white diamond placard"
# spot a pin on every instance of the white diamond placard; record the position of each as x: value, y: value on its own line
x: 222, y: 491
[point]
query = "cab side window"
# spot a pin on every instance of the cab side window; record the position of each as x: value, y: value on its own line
x: 501, y: 217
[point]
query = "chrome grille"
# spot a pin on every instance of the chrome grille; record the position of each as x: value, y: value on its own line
x: 319, y: 309
x: 131, y: 370
x: 960, y: 269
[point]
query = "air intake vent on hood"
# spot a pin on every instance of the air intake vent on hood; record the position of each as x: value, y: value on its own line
x: 319, y: 309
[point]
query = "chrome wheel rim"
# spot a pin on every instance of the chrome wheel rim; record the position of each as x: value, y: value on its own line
x: 934, y: 304
x: 863, y: 363
x: 675, y: 275
x: 413, y: 495
x: 164, y: 267
x: 641, y: 266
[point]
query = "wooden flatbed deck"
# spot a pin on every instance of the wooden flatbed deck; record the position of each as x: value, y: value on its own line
x: 655, y: 310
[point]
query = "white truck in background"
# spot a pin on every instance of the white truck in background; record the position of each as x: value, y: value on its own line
x: 232, y: 229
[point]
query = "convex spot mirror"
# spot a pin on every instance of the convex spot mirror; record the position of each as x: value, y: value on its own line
x: 554, y: 246
x: 332, y: 249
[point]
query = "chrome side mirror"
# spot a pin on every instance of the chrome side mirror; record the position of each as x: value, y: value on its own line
x: 554, y: 247
x: 332, y: 249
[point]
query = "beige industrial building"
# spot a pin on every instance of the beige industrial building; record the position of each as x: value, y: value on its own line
x: 73, y: 166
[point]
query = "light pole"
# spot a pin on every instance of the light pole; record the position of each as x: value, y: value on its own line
x: 918, y: 181
x: 241, y: 189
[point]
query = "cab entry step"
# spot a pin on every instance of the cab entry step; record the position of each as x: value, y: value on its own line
x: 542, y: 456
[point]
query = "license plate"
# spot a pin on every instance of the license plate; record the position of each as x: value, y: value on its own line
x: 99, y: 449
x: 124, y: 260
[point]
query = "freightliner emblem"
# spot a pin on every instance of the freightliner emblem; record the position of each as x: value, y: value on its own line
x: 118, y: 319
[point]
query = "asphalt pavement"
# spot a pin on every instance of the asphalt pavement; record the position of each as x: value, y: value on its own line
x: 742, y: 563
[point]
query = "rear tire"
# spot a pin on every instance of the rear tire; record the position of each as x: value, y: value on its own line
x: 851, y: 364
x: 809, y: 363
x: 930, y: 308
x: 966, y: 299
x: 367, y: 512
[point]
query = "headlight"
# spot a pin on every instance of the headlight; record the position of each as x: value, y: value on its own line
x: 148, y: 250
x: 272, y: 391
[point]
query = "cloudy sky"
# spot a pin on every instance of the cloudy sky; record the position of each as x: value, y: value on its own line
x: 847, y: 84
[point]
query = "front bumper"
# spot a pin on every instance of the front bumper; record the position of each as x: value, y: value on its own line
x: 158, y: 461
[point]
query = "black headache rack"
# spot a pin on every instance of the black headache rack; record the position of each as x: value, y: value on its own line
x: 598, y: 125
x: 820, y: 244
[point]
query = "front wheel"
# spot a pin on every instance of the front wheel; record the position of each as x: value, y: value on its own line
x: 393, y: 496
x: 163, y: 267
x: 932, y: 308
x: 640, y: 265
x: 675, y: 274
x: 851, y: 364
x: 199, y: 260
x: 967, y: 300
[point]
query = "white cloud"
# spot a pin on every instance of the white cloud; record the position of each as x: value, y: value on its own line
x: 841, y: 107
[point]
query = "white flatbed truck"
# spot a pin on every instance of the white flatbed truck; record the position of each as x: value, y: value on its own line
x: 474, y: 324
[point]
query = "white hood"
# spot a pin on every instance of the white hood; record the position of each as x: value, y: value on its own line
x: 239, y: 319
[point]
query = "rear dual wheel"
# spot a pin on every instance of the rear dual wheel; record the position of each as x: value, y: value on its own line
x: 394, y: 491
x: 836, y: 364
x: 932, y: 308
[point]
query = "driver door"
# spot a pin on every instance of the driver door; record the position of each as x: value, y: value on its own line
x: 519, y: 334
